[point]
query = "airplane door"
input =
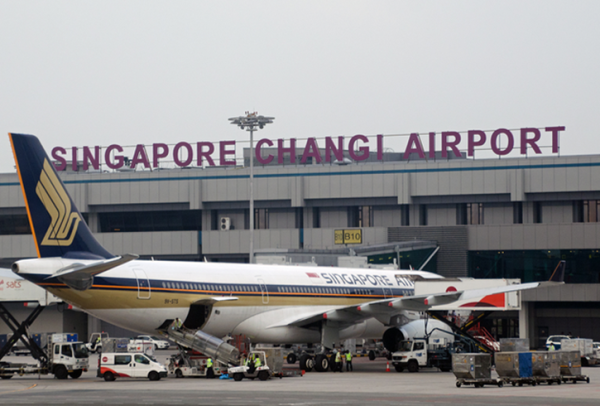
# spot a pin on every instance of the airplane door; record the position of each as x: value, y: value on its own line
x: 143, y: 284
x: 387, y: 292
x: 263, y: 290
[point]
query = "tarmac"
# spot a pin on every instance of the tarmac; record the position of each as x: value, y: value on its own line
x: 369, y: 384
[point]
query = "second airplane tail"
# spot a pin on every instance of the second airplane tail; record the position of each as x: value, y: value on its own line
x: 57, y: 225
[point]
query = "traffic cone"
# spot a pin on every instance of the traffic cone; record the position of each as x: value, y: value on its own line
x: 387, y: 367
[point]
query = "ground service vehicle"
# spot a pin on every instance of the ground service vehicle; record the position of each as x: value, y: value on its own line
x: 271, y: 361
x: 95, y: 345
x: 64, y: 359
x: 185, y: 364
x: 421, y: 353
x: 129, y: 365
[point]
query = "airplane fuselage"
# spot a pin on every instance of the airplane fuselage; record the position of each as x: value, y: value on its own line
x: 142, y: 295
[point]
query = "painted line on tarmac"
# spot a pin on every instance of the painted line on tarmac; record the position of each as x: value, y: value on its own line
x: 19, y: 390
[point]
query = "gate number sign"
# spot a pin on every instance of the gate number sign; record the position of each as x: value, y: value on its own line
x: 348, y: 236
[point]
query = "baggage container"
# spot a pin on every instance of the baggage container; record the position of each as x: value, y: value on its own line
x: 585, y: 346
x: 570, y: 363
x: 546, y: 364
x: 472, y: 366
x: 514, y: 344
x: 118, y: 345
x: 514, y: 364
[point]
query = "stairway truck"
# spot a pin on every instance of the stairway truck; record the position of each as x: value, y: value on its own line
x: 113, y: 365
x: 64, y: 359
x: 419, y: 353
x: 204, y: 343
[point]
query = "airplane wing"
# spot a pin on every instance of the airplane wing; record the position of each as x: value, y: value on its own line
x: 384, y: 309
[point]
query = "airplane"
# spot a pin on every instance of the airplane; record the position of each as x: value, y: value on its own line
x: 267, y: 303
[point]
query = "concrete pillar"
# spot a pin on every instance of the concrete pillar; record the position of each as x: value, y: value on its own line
x: 524, y: 320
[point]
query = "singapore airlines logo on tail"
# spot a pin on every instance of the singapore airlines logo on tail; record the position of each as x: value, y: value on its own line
x: 63, y: 226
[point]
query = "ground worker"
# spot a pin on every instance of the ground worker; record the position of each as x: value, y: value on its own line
x: 338, y: 362
x: 178, y: 323
x: 210, y: 374
x: 98, y: 340
x: 551, y: 348
x: 349, y: 361
x: 257, y: 363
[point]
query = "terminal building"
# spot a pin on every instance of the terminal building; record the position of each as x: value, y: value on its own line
x: 514, y: 217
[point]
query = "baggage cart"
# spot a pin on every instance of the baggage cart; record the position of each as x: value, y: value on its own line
x: 473, y: 369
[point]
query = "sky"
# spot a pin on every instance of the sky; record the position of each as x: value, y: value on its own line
x: 84, y: 73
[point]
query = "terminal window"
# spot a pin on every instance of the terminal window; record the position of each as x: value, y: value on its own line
x: 14, y: 224
x: 174, y: 220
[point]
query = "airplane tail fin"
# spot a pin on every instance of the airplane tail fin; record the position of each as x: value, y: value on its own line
x: 57, y: 225
x: 559, y: 272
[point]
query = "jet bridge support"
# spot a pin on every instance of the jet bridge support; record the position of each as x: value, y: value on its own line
x: 202, y: 342
x: 21, y: 332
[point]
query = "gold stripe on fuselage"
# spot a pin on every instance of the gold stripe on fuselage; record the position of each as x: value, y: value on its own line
x: 118, y: 297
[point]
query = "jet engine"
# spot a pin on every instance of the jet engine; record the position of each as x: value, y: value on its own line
x: 415, y: 329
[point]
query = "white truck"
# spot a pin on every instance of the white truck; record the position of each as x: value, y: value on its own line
x: 585, y: 347
x: 420, y: 352
x: 64, y: 359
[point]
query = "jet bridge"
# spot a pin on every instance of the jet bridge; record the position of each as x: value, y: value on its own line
x: 202, y: 342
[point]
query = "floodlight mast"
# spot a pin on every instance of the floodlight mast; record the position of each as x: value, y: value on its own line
x: 249, y: 122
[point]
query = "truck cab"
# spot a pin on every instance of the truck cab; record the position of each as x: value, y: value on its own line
x: 416, y: 353
x: 68, y: 359
x: 411, y: 354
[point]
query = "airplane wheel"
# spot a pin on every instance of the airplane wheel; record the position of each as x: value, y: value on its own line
x: 372, y: 355
x: 76, y: 374
x: 109, y: 376
x: 321, y: 363
x: 263, y: 375
x: 178, y: 373
x: 458, y: 384
x: 291, y: 358
x: 306, y: 362
x: 238, y: 376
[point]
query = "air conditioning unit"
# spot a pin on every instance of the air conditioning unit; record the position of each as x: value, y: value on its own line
x: 225, y: 223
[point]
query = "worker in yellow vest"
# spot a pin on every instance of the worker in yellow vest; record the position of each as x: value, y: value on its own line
x: 349, y: 361
x: 338, y: 362
x: 210, y: 373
